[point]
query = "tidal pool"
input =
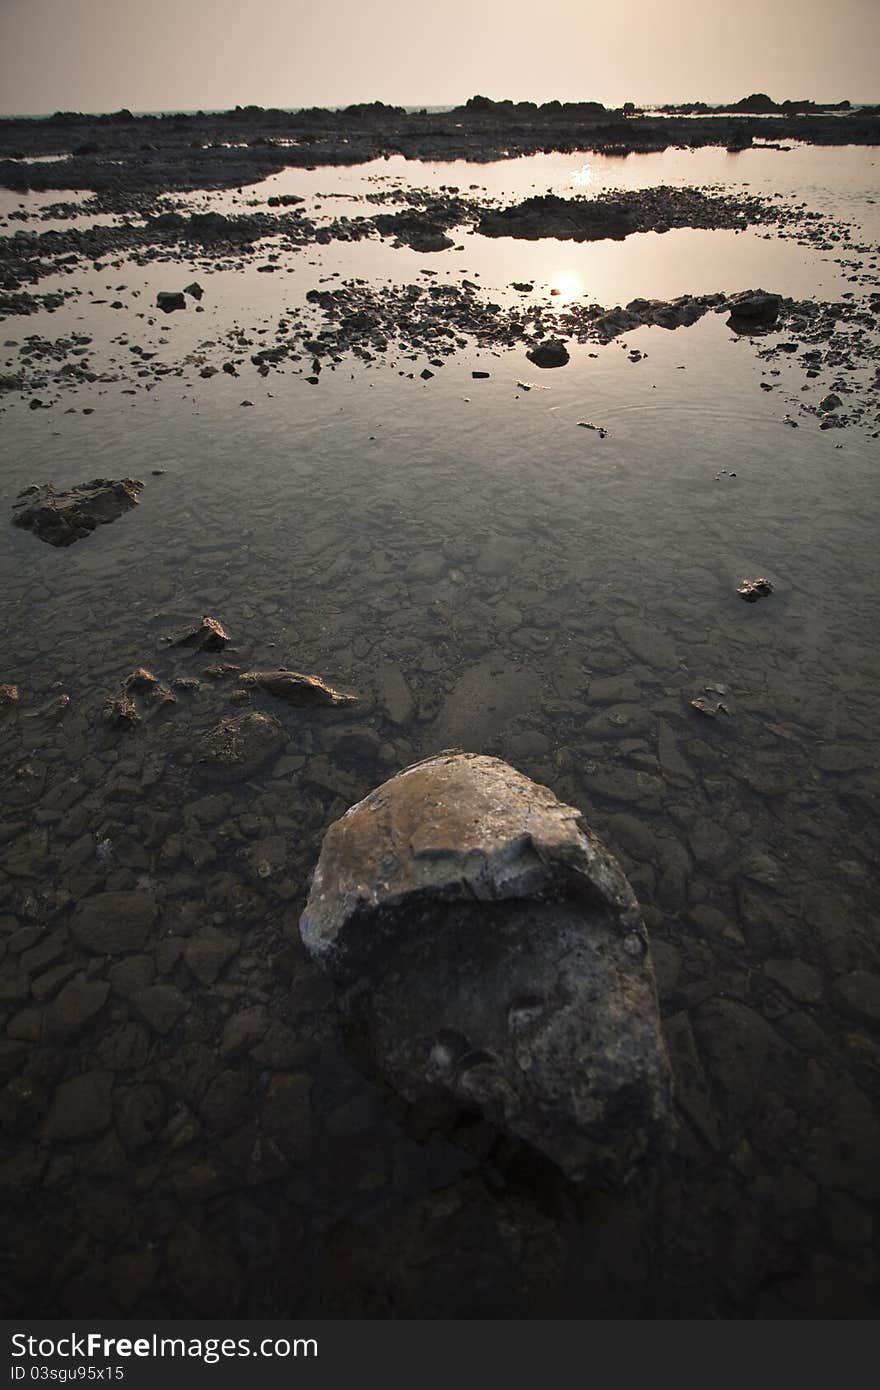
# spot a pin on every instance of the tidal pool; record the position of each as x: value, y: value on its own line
x: 490, y: 573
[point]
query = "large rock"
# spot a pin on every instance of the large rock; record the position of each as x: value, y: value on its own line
x: 60, y: 518
x: 114, y: 924
x: 491, y: 957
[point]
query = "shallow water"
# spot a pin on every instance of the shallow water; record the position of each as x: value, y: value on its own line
x: 544, y: 593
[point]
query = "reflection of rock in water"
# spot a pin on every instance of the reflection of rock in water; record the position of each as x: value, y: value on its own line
x: 493, y: 959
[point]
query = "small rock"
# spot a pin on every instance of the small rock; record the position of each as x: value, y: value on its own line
x: 80, y: 1106
x: 858, y: 994
x: 74, y: 1008
x: 243, y: 1031
x: 552, y: 353
x: 753, y: 589
x: 167, y: 300
x: 120, y: 711
x: 140, y: 1115
x: 797, y: 978
x: 140, y: 681
x: 160, y: 1006
x: 286, y: 1114
x: 208, y: 953
x: 209, y: 636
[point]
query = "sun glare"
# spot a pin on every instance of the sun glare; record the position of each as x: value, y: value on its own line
x: 582, y: 177
x: 567, y: 285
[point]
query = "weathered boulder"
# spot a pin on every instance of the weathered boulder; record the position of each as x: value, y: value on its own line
x: 550, y: 354
x: 60, y: 518
x: 491, y: 957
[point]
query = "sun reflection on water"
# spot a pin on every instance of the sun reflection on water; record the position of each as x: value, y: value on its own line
x: 583, y: 177
x: 566, y: 285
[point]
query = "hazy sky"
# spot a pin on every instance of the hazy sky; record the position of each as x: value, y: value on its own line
x: 100, y: 55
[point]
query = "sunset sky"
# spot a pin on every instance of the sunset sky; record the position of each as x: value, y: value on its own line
x: 100, y: 55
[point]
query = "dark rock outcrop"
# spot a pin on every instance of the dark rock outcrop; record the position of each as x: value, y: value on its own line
x: 753, y: 309
x: 549, y: 354
x: 167, y: 300
x: 414, y: 230
x: 60, y: 518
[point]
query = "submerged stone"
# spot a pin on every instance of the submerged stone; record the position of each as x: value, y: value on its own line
x: 240, y: 745
x: 491, y: 957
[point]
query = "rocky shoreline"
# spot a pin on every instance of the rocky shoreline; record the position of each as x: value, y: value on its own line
x: 124, y: 152
x: 193, y: 1120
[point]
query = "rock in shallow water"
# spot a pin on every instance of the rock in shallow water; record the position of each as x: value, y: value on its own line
x: 491, y: 957
x: 296, y: 689
x: 239, y: 746
x: 549, y: 354
x: 60, y: 518
x: 753, y: 309
x: 209, y: 636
